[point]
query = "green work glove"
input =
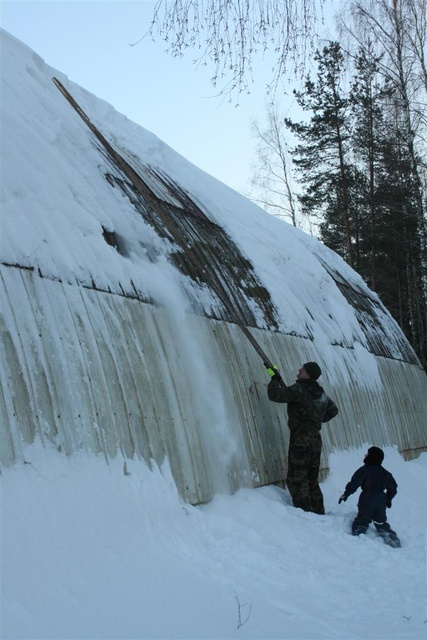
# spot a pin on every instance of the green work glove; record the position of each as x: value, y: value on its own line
x: 273, y: 371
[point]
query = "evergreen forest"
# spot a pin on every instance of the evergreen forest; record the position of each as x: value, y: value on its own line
x: 359, y: 155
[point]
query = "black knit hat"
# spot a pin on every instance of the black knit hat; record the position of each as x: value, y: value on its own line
x: 313, y: 370
x: 375, y: 456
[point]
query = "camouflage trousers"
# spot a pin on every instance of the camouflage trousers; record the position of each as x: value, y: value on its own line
x: 303, y: 471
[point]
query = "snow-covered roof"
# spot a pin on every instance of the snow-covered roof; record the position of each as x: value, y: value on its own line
x: 144, y: 204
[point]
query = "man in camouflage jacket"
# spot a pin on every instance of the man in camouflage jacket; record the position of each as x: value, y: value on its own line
x: 308, y: 408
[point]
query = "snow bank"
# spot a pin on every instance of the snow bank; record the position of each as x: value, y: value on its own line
x: 91, y: 551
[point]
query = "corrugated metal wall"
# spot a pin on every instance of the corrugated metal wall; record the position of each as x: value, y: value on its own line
x: 85, y: 369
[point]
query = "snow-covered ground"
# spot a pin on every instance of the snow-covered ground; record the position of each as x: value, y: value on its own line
x: 94, y: 551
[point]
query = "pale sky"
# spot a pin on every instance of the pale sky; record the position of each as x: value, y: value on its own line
x: 90, y: 43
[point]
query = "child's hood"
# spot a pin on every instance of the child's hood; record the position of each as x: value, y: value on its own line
x: 374, y: 457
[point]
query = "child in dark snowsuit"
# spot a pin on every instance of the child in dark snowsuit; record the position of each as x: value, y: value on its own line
x: 374, y: 480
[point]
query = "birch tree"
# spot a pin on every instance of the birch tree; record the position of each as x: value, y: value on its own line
x: 272, y: 178
x: 229, y: 34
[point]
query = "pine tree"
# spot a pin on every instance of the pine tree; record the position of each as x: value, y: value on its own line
x: 398, y: 30
x: 400, y: 279
x: 393, y: 246
x: 367, y: 96
x: 322, y: 156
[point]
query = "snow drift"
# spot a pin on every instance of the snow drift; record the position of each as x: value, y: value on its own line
x: 91, y: 553
x: 125, y: 274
